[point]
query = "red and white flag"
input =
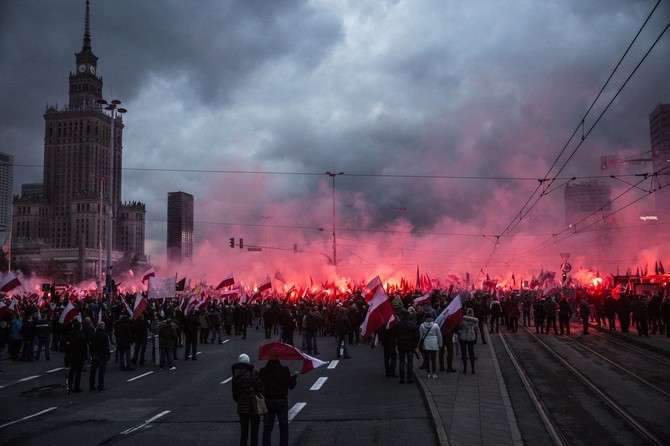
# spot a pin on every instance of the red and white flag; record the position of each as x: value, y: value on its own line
x: 151, y: 272
x: 425, y: 299
x: 451, y: 316
x: 370, y: 288
x: 139, y: 306
x: 279, y: 350
x: 126, y: 307
x: 550, y: 287
x: 68, y: 314
x: 266, y: 285
x: 380, y: 313
x: 228, y: 281
x: 9, y: 282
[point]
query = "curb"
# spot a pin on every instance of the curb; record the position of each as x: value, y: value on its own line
x: 440, y: 433
x: 628, y: 338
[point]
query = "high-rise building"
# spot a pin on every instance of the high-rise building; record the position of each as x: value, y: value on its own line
x: 6, y: 181
x: 586, y: 201
x: 659, y: 132
x: 66, y: 223
x: 179, y: 226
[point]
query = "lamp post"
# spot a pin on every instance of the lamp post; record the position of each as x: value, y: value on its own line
x: 401, y: 210
x: 333, y: 175
x: 114, y: 109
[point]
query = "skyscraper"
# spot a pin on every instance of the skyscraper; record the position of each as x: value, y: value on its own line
x: 67, y: 222
x: 659, y: 133
x: 6, y: 180
x: 179, y: 226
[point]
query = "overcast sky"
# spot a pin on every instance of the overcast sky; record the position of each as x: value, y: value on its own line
x: 392, y: 93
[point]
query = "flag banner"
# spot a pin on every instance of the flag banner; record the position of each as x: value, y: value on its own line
x: 550, y: 287
x: 228, y: 281
x: 279, y: 277
x: 449, y: 319
x: 181, y: 285
x: 266, y: 285
x: 139, y: 305
x: 279, y: 350
x: 425, y: 299
x: 126, y: 306
x: 380, y: 312
x: 370, y: 288
x: 151, y: 272
x: 68, y: 314
x: 9, y: 282
x: 161, y: 288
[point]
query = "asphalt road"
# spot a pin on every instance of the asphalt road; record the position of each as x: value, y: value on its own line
x: 347, y: 402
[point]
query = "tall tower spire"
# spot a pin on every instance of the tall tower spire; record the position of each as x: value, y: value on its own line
x: 87, y: 30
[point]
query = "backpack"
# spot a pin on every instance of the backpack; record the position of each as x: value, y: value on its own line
x: 471, y: 334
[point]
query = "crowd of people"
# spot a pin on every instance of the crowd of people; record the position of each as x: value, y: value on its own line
x: 33, y: 326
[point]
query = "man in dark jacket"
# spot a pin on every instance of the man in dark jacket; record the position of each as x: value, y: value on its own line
x: 407, y: 338
x: 342, y: 329
x: 191, y: 324
x: 75, y: 355
x: 43, y: 332
x: 167, y: 340
x: 623, y: 312
x: 124, y: 339
x: 388, y: 340
x: 247, y: 384
x: 140, y: 335
x: 277, y: 381
x: 100, y: 354
x: 610, y: 310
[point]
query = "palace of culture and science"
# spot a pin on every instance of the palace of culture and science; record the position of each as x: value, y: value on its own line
x: 59, y: 226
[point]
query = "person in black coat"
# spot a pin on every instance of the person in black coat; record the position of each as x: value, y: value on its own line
x: 388, y: 341
x: 100, y: 353
x: 623, y: 312
x: 277, y: 380
x: 75, y: 355
x: 191, y: 324
x: 247, y: 384
x: 407, y: 338
x: 124, y: 339
x: 140, y: 335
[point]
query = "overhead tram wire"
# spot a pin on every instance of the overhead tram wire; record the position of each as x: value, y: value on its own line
x: 552, y: 240
x: 521, y: 215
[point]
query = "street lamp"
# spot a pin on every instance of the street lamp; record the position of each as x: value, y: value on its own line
x: 401, y: 210
x: 333, y: 175
x: 113, y: 109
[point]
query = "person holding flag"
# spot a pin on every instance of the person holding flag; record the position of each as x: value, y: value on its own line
x: 407, y: 338
x: 431, y: 340
x: 277, y: 380
x: 467, y: 337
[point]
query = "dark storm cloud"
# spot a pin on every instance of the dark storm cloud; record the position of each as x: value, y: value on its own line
x: 481, y: 88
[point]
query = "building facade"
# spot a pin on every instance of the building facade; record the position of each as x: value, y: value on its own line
x: 179, y: 226
x: 63, y: 223
x: 6, y: 185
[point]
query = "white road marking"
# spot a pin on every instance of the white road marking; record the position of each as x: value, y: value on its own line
x: 319, y: 382
x: 55, y: 370
x: 144, y: 423
x: 28, y: 378
x: 225, y: 341
x: 140, y: 376
x: 297, y: 407
x: 333, y: 364
x: 28, y: 417
x: 198, y: 353
x: 227, y: 381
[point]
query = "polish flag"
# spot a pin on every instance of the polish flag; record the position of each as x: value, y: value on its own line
x: 68, y: 314
x: 265, y: 285
x: 9, y: 282
x: 151, y: 272
x: 370, y: 288
x: 449, y: 319
x: 126, y: 307
x: 139, y: 306
x: 380, y: 312
x: 425, y: 299
x: 228, y: 281
x: 14, y: 306
x: 279, y: 350
x: 550, y: 287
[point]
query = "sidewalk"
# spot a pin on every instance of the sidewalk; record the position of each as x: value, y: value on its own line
x: 471, y: 409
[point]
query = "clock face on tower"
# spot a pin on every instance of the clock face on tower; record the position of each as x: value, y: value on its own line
x: 82, y: 68
x: 92, y: 69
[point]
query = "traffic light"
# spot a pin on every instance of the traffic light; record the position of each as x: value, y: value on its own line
x: 231, y: 242
x: 241, y: 243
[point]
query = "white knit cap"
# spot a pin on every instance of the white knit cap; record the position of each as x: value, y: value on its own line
x: 244, y: 358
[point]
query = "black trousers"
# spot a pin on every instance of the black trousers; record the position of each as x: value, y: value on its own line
x: 249, y: 429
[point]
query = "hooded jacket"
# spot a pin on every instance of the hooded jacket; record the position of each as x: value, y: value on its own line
x: 246, y: 384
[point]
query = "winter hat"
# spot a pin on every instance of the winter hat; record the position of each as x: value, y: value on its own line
x: 244, y: 358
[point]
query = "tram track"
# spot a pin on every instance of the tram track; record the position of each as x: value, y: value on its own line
x: 581, y: 395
